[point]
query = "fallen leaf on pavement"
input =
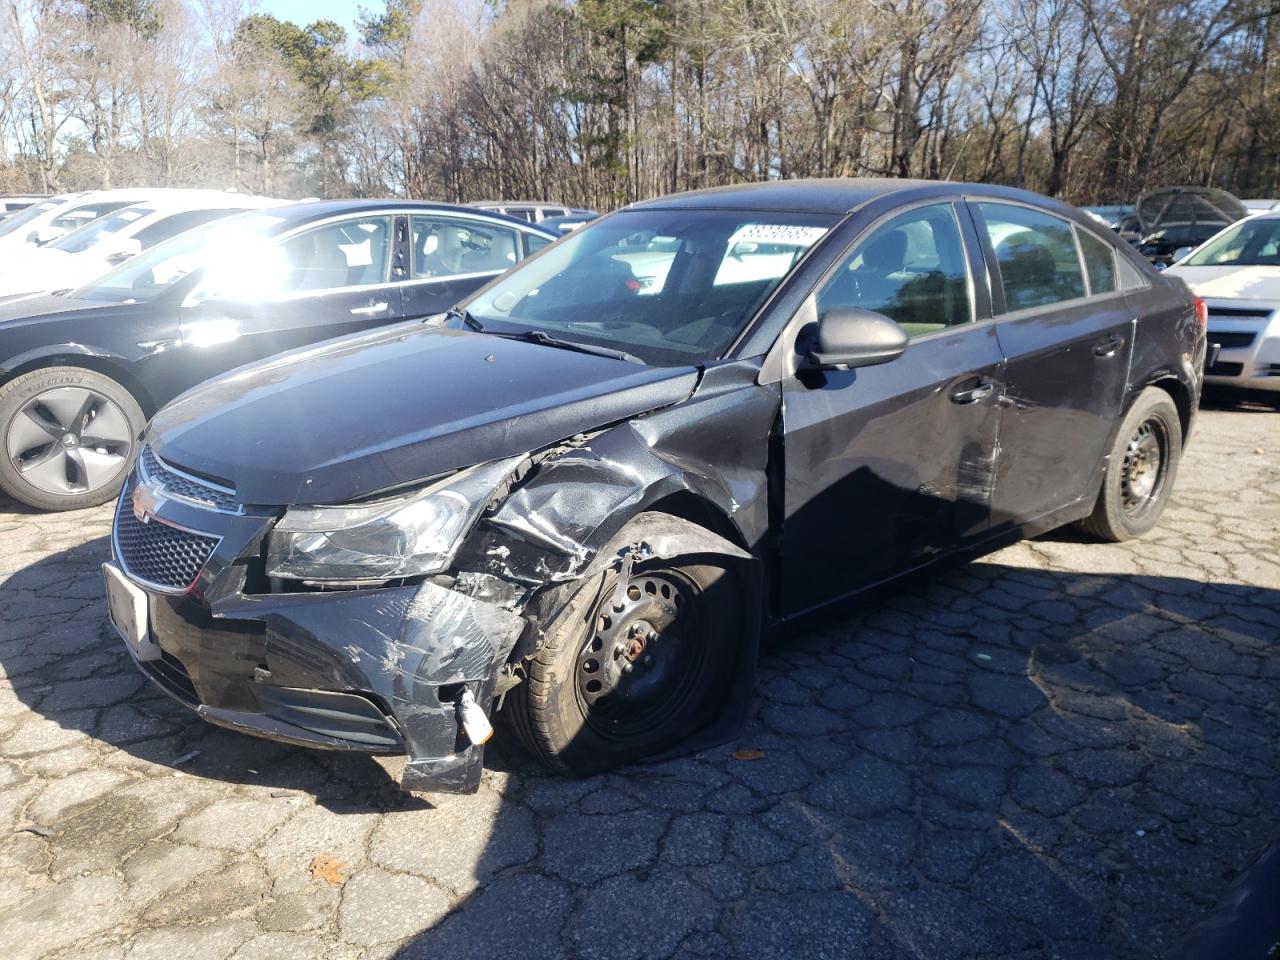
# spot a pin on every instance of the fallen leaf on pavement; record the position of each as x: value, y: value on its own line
x: 326, y: 868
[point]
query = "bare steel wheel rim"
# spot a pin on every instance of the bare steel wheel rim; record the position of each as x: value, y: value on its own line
x: 644, y: 661
x: 69, y: 440
x: 1143, y: 468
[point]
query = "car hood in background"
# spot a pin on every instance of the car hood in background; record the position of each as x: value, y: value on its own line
x: 1204, y: 206
x: 46, y: 269
x: 368, y: 413
x: 1230, y: 283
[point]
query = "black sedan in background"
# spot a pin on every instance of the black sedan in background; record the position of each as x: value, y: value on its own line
x: 81, y: 371
x: 592, y: 487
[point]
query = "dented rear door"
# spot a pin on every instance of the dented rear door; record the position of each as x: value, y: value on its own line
x: 1067, y: 342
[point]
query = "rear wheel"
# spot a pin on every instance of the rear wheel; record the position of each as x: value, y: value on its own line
x: 632, y: 672
x: 1141, y: 471
x: 69, y: 436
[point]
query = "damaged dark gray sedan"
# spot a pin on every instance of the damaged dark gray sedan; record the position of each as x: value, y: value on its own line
x: 586, y: 495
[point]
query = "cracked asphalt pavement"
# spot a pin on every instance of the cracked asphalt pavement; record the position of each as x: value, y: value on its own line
x: 1066, y: 749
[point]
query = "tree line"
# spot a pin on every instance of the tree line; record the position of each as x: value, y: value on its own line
x: 601, y: 102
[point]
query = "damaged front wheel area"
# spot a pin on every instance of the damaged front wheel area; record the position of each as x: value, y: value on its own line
x: 635, y: 667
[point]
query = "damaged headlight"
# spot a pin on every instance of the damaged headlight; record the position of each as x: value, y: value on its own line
x: 386, y: 539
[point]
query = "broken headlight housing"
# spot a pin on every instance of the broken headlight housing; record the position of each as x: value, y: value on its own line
x: 405, y: 536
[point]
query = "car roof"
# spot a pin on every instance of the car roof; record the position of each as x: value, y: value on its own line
x: 516, y: 203
x: 298, y: 213
x: 834, y: 195
x: 201, y: 200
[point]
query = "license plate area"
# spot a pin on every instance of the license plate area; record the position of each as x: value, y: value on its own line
x: 127, y: 608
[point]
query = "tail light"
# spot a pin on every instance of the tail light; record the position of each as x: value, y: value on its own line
x: 1202, y: 314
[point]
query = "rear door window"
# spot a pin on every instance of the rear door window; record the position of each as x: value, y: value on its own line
x: 1036, y: 254
x: 77, y: 217
x: 453, y: 247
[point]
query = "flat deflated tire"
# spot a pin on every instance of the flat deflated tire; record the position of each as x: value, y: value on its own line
x: 1141, y: 472
x: 67, y: 437
x: 630, y: 672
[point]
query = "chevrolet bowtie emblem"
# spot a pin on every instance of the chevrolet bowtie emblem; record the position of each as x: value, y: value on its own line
x: 146, y: 501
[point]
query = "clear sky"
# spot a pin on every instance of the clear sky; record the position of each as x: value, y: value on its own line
x: 303, y: 12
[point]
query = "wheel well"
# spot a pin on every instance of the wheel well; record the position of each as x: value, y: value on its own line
x: 107, y: 368
x: 691, y: 507
x: 1181, y: 399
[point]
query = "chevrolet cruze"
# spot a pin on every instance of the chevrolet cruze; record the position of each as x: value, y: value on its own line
x: 585, y: 495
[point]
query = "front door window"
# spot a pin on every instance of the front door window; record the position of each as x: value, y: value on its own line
x: 911, y: 269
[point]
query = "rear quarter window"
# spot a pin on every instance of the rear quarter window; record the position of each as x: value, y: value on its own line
x: 1099, y: 263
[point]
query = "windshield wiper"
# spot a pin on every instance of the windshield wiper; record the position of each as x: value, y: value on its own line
x: 545, y: 339
x: 466, y: 317
x: 537, y: 336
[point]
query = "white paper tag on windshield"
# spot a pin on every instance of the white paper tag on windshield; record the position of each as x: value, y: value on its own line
x: 789, y: 234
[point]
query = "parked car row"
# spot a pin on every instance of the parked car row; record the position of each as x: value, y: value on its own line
x: 584, y: 486
x: 1228, y: 252
x: 18, y: 201
x: 82, y: 370
x: 85, y: 253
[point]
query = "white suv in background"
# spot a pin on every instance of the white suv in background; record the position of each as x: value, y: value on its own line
x: 55, y: 217
x: 90, y: 251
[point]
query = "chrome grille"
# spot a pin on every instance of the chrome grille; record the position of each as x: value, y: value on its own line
x: 183, y: 486
x: 156, y: 553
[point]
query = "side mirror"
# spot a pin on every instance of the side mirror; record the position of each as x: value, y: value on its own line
x: 122, y: 250
x: 47, y: 234
x: 857, y: 338
x: 1182, y: 252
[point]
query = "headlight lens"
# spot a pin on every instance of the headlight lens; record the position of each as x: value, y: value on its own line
x: 401, y: 537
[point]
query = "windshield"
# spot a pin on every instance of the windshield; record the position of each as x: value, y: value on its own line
x: 1253, y: 243
x: 235, y: 247
x: 670, y: 286
x: 10, y: 224
x: 78, y: 241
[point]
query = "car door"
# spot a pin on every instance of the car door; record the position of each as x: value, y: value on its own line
x: 452, y: 256
x: 320, y: 282
x: 1066, y: 332
x: 885, y: 467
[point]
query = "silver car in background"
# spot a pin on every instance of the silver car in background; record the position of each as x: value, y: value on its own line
x: 1237, y: 274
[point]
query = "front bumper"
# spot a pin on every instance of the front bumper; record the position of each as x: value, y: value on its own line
x: 1249, y: 358
x: 376, y: 670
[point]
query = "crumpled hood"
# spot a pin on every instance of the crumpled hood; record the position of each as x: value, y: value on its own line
x: 362, y: 414
x: 1230, y: 283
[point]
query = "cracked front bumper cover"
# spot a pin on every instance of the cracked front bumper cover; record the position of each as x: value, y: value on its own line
x: 375, y: 670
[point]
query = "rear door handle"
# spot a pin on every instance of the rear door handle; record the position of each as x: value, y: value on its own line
x: 371, y: 310
x: 1108, y: 347
x: 979, y: 391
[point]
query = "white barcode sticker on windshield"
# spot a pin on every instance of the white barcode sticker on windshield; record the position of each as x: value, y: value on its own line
x: 784, y: 233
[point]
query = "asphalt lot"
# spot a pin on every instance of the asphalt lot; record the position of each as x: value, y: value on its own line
x: 1065, y: 750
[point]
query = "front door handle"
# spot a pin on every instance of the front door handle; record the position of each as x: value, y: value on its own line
x: 1108, y: 347
x: 979, y: 391
x: 372, y: 310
